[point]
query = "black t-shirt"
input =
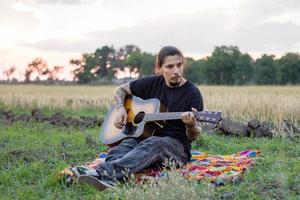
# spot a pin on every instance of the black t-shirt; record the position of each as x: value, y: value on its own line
x: 177, y: 99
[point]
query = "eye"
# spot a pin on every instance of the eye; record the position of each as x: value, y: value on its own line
x: 169, y: 66
x: 179, y: 65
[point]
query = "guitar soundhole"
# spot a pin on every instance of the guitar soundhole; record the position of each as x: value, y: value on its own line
x: 139, y: 117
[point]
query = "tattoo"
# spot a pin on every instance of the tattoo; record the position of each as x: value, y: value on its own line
x: 121, y: 92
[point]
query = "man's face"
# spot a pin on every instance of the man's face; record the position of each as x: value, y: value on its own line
x: 172, y: 70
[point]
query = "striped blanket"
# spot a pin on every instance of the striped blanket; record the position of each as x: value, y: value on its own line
x: 218, y: 169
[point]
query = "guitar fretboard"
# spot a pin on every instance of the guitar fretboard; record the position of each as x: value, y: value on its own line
x: 202, y: 116
x: 162, y: 116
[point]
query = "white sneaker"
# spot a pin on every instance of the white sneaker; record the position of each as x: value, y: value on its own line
x: 98, y: 184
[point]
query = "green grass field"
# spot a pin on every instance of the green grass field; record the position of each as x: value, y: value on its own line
x: 31, y: 154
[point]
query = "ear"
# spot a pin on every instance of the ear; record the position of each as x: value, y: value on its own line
x: 158, y: 70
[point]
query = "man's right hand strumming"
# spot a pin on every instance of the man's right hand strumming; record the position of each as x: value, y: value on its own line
x: 121, y: 117
x: 120, y: 94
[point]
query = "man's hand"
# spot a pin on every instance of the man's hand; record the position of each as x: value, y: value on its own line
x: 188, y: 118
x: 121, y: 118
x: 192, y: 130
x: 120, y: 93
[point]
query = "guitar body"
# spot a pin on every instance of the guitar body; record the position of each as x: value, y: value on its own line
x: 136, y: 108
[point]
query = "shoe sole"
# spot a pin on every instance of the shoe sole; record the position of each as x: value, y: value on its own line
x: 92, y: 181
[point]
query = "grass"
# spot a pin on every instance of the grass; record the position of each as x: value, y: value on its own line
x: 70, y: 97
x: 31, y: 154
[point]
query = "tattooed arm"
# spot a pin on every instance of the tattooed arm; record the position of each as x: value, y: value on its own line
x: 120, y: 93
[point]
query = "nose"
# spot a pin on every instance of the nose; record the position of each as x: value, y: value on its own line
x: 176, y: 70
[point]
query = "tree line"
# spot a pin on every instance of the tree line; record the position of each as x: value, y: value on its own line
x: 227, y: 65
x: 107, y: 61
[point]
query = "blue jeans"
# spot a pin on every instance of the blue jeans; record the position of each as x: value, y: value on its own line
x: 133, y: 155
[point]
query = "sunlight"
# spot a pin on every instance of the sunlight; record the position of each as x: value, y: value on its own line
x: 8, y: 37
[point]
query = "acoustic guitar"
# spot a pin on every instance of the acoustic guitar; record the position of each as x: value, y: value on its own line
x: 144, y: 117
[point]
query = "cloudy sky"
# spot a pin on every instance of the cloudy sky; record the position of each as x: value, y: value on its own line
x: 58, y: 30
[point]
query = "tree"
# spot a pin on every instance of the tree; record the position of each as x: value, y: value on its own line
x: 195, y: 71
x: 102, y: 61
x: 94, y: 66
x: 141, y: 62
x: 243, y: 71
x: 221, y: 65
x: 265, y: 71
x: 289, y: 69
x: 84, y: 72
x: 127, y: 50
x: 128, y: 56
x: 9, y: 72
x: 53, y: 74
x: 37, y: 67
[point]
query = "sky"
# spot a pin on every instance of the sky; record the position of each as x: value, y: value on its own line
x: 59, y: 30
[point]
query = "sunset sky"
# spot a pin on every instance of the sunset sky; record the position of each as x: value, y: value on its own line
x: 58, y: 30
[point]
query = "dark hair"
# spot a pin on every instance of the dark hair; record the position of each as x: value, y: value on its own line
x: 163, y: 53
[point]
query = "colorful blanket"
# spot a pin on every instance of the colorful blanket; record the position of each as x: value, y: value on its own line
x: 217, y: 169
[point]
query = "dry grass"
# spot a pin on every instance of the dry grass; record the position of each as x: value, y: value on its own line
x: 73, y: 97
x: 271, y: 103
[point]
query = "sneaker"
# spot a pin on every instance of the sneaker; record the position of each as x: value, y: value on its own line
x: 98, y: 184
x: 80, y: 170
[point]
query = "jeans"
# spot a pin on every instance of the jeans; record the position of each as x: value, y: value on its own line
x: 133, y: 155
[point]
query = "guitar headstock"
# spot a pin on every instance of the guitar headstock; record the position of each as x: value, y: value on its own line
x: 209, y: 116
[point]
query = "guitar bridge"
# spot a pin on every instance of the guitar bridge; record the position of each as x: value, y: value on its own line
x: 129, y: 129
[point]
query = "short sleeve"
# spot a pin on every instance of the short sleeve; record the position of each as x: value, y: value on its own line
x: 196, y: 101
x: 141, y: 87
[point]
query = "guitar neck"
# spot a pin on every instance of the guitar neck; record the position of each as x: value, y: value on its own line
x: 162, y: 116
x: 204, y: 116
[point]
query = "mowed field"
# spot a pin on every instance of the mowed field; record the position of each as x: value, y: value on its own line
x: 31, y: 154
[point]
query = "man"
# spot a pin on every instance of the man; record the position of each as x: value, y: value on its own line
x: 172, y: 142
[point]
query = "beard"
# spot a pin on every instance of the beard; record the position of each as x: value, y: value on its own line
x: 176, y: 83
